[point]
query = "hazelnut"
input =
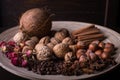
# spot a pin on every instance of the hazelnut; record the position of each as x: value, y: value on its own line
x: 105, y: 55
x: 93, y: 46
x: 20, y: 36
x: 38, y: 46
x: 35, y: 39
x: 73, y: 48
x: 45, y: 40
x: 54, y: 41
x: 30, y: 43
x: 80, y: 45
x: 60, y: 35
x: 98, y: 52
x: 80, y: 52
x: 83, y: 59
x: 69, y: 57
x: 68, y: 40
x: 50, y: 45
x: 61, y: 49
x: 44, y: 53
x: 101, y: 45
x: 92, y: 56
x: 96, y: 42
x: 109, y: 48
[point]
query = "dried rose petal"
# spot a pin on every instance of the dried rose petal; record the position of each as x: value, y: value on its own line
x: 11, y: 43
x: 14, y: 61
x: 2, y: 43
x: 24, y: 63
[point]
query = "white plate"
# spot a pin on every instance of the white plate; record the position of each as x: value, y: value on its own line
x: 112, y: 36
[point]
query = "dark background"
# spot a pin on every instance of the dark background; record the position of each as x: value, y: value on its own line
x: 102, y: 12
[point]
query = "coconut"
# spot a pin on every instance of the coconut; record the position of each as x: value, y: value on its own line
x: 36, y: 22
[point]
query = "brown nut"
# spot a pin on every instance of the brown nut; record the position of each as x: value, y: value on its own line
x: 60, y: 35
x: 30, y: 43
x: 61, y: 49
x: 80, y: 52
x: 50, y: 45
x: 69, y: 56
x: 92, y: 56
x: 83, y: 59
x: 93, y: 46
x: 65, y: 31
x: 73, y: 48
x: 105, y: 55
x: 54, y: 41
x: 80, y: 45
x: 101, y: 45
x: 38, y: 46
x: 44, y: 53
x: 96, y: 42
x: 109, y: 48
x: 45, y: 40
x: 98, y: 52
x: 35, y: 39
x: 68, y: 40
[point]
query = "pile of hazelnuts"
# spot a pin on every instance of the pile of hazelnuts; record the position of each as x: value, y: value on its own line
x: 95, y: 50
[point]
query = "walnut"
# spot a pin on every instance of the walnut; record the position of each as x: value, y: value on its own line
x: 45, y: 40
x: 60, y: 35
x: 69, y: 56
x: 65, y: 31
x: 54, y: 41
x: 30, y: 43
x: 35, y: 39
x: 68, y: 40
x: 20, y: 36
x: 61, y: 49
x: 44, y: 53
x: 39, y: 45
x: 50, y: 45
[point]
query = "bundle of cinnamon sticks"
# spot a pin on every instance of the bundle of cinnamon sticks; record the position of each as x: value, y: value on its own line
x: 88, y: 34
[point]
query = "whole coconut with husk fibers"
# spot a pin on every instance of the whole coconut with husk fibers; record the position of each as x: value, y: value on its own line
x: 36, y: 22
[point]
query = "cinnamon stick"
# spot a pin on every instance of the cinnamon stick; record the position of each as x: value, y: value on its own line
x: 82, y: 29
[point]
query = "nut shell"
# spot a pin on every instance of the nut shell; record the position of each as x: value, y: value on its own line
x: 38, y: 46
x: 45, y: 40
x: 44, y: 53
x: 68, y: 40
x: 61, y: 49
x: 60, y: 35
x: 54, y: 41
